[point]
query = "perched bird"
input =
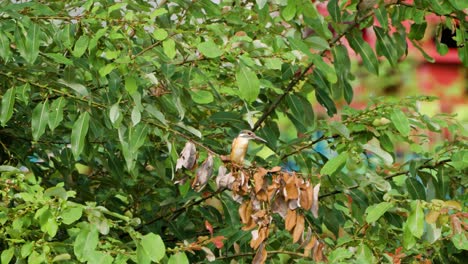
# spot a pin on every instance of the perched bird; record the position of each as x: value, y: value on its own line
x: 240, y: 145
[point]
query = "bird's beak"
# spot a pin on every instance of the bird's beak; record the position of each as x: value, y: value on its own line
x: 260, y: 139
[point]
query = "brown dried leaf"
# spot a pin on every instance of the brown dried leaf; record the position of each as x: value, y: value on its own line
x: 318, y: 252
x: 290, y: 221
x: 290, y: 190
x: 307, y: 194
x: 224, y: 180
x: 245, y: 211
x: 432, y: 216
x: 258, y: 179
x: 279, y: 206
x: 261, y: 255
x: 204, y: 173
x: 456, y: 224
x: 312, y: 243
x: 187, y: 157
x: 315, y: 203
x: 307, y: 238
x: 258, y: 236
x: 299, y: 228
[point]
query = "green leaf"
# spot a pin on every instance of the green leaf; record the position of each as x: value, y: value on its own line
x: 78, y: 135
x: 71, y: 214
x: 5, y: 52
x: 382, y: 16
x: 226, y: 117
x: 131, y: 84
x: 408, y: 239
x: 364, y: 255
x: 415, y: 220
x: 156, y: 113
x: 202, y: 97
x: 8, y: 102
x: 385, y: 46
x: 289, y: 12
x: 209, y: 49
x: 56, y: 112
x: 334, y: 10
x: 334, y: 164
x: 318, y: 43
x: 417, y: 31
x: 40, y: 118
x: 248, y: 83
x: 364, y: 50
x: 325, y: 68
x: 98, y: 257
x: 273, y: 63
x: 32, y: 43
x: 7, y: 255
x: 160, y: 34
x: 136, y: 116
x: 400, y: 121
x: 59, y: 58
x: 137, y: 136
x: 26, y: 249
x: 339, y: 254
x: 261, y: 3
x: 178, y: 258
x: 85, y: 242
x: 142, y: 256
x: 115, y: 115
x: 324, y: 99
x: 374, y: 212
x: 415, y: 189
x: 77, y: 87
x: 423, y: 52
x: 80, y: 46
x: 154, y: 246
x: 169, y: 48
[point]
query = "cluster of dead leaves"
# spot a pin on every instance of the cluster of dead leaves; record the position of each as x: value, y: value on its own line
x: 262, y: 193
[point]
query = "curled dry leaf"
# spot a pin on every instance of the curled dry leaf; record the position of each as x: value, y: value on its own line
x: 187, y: 157
x: 312, y: 244
x: 224, y: 180
x: 203, y: 173
x: 261, y: 255
x: 299, y: 228
x: 315, y: 203
x: 318, y: 252
x: 306, y: 240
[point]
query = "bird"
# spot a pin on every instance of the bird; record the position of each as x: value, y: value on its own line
x: 240, y: 145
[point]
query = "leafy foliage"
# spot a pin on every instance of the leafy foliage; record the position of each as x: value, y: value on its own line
x: 100, y: 97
